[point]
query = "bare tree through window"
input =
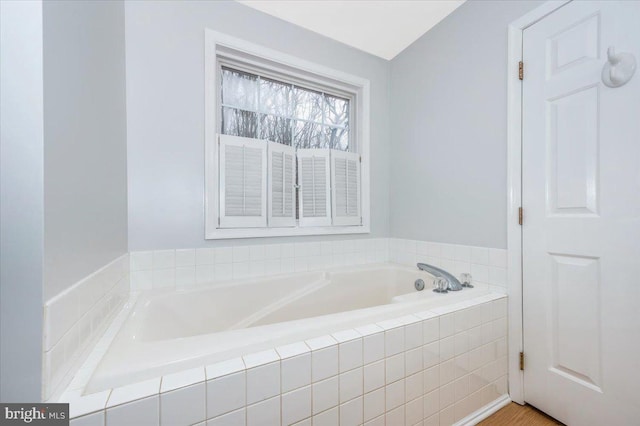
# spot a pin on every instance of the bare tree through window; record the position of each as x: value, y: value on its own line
x: 258, y: 107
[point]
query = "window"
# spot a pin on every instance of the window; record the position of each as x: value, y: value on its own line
x: 286, y: 144
x: 254, y: 106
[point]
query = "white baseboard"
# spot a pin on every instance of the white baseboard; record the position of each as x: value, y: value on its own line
x: 484, y: 412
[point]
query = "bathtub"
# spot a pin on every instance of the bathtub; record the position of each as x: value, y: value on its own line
x: 168, y: 331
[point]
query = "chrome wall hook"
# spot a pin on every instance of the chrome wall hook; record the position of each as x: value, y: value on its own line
x: 618, y: 69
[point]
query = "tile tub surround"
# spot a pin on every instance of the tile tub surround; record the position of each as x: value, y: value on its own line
x: 486, y: 265
x: 187, y: 267
x: 77, y: 317
x: 430, y: 368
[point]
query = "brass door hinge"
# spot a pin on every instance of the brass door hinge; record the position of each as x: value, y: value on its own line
x: 522, y: 361
x: 521, y: 70
x: 520, y: 215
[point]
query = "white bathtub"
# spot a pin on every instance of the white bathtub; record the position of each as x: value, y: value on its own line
x: 169, y: 331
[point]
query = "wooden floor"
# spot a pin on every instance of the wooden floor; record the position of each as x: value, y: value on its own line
x: 515, y: 414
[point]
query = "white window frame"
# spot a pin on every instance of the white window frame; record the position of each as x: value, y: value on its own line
x: 221, y: 47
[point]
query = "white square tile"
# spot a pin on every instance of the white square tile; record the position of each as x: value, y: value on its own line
x: 431, y: 403
x: 413, y: 412
x: 373, y: 347
x: 413, y: 361
x: 463, y: 253
x: 226, y: 394
x: 296, y: 405
x: 447, y: 325
x: 182, y: 379
x: 394, y: 341
x: 241, y: 254
x: 265, y: 413
x: 447, y: 348
x: 263, y: 382
x: 447, y: 415
x: 447, y: 251
x: 498, y: 276
x: 257, y: 252
x: 431, y: 354
x: 83, y: 405
x: 235, y: 418
x: 431, y: 330
x: 395, y: 416
x: 431, y: 378
x: 294, y: 349
x: 141, y: 260
x: 134, y: 391
x: 324, y: 363
x: 447, y: 395
x: 185, y: 276
x: 374, y: 375
x: 223, y: 255
x: 447, y: 372
x: 461, y: 343
x: 461, y: 389
x: 241, y: 270
x: 296, y: 372
x: 185, y: 257
x: 205, y: 274
x: 461, y: 365
x: 394, y: 366
x: 260, y: 358
x: 498, y: 258
x: 164, y: 259
x: 163, y: 278
x: 374, y: 404
x: 351, y: 413
x: 224, y: 368
x: 325, y: 394
x: 350, y: 354
x: 394, y: 395
x: 479, y: 273
x: 205, y: 256
x: 413, y: 386
x: 272, y: 251
x: 184, y: 406
x: 480, y: 255
x: 413, y: 335
x: 141, y: 280
x: 143, y: 412
x: 223, y: 272
x: 351, y: 384
x: 327, y: 418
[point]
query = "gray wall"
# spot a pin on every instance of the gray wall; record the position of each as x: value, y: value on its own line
x: 21, y: 201
x: 85, y: 139
x: 449, y: 127
x: 165, y: 107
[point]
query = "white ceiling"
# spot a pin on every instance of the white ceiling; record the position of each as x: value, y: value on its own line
x: 381, y: 27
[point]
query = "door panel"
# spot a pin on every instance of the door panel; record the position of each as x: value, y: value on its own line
x: 581, y: 234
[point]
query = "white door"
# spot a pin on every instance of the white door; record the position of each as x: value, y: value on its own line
x: 581, y: 232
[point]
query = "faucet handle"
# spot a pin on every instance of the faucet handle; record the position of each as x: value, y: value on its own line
x: 440, y: 285
x: 465, y: 279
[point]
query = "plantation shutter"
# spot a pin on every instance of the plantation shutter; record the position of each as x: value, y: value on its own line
x: 243, y: 182
x: 314, y: 180
x: 281, y: 185
x: 345, y: 184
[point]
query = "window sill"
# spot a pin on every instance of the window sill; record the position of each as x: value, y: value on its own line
x: 223, y: 234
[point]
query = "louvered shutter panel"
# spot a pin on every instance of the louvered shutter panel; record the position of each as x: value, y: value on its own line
x: 314, y: 201
x: 281, y: 186
x: 345, y: 184
x: 243, y: 182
